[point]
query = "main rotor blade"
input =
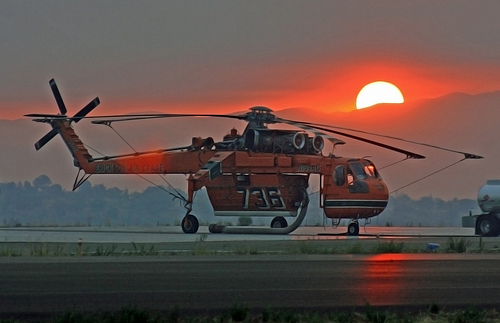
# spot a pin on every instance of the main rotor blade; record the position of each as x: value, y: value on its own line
x: 121, y: 117
x: 45, y: 139
x: 466, y: 154
x: 44, y: 115
x: 58, y: 97
x: 134, y: 117
x: 140, y: 153
x: 408, y: 154
x: 85, y: 110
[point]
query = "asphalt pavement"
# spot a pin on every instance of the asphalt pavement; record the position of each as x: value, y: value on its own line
x: 42, y: 286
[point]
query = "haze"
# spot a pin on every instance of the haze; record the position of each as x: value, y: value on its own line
x: 224, y: 56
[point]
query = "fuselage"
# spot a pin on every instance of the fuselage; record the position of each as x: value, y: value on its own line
x: 244, y: 182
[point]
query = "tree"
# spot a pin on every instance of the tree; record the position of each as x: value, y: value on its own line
x: 42, y: 181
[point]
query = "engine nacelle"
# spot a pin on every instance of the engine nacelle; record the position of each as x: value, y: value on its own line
x: 202, y: 143
x: 299, y: 140
x: 276, y: 141
x: 318, y: 143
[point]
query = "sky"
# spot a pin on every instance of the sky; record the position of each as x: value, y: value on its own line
x: 224, y: 56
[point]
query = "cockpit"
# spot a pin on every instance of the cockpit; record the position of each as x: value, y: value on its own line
x: 362, y: 169
x: 354, y: 173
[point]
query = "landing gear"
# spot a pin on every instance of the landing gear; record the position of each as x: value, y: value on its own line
x: 353, y: 228
x: 190, y: 224
x: 279, y: 222
x: 487, y: 225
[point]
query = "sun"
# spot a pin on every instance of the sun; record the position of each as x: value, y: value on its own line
x: 378, y: 92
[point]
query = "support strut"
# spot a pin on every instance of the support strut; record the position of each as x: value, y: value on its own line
x: 80, y: 179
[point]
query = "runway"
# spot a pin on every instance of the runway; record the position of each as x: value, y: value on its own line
x: 162, y: 234
x: 40, y: 286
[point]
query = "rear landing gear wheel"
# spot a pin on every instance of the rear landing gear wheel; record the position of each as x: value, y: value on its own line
x: 279, y: 222
x: 190, y: 224
x: 353, y: 229
x: 487, y: 225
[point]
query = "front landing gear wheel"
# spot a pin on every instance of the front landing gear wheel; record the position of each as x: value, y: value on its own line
x: 279, y: 222
x: 190, y: 224
x: 353, y: 229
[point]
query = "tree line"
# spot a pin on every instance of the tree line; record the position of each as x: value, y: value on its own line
x: 43, y: 203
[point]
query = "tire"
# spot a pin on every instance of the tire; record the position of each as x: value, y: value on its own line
x: 190, y: 224
x: 353, y: 229
x: 279, y: 222
x: 487, y: 225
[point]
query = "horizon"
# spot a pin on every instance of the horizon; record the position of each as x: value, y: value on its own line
x: 334, y: 111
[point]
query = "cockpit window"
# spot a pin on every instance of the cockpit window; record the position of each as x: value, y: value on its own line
x: 363, y: 169
x: 357, y: 170
x: 370, y: 170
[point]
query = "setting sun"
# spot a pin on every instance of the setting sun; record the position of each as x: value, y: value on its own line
x: 378, y: 92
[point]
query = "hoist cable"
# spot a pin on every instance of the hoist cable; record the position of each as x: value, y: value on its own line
x: 429, y: 175
x: 394, y: 163
x: 110, y: 126
x: 177, y: 195
x: 173, y: 188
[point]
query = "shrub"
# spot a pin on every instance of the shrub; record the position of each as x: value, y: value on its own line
x: 459, y: 246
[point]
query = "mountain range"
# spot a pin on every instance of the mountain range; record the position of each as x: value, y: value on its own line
x: 458, y: 121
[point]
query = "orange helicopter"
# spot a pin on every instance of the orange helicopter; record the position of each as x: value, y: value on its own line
x: 260, y: 172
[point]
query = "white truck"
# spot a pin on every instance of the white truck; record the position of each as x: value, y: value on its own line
x: 488, y: 198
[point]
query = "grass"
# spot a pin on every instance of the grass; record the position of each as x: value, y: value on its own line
x: 44, y: 249
x: 459, y: 246
x: 310, y: 248
x: 391, y: 247
x: 48, y: 249
x: 142, y: 250
x: 106, y: 250
x: 202, y: 247
x: 6, y: 251
x: 240, y: 312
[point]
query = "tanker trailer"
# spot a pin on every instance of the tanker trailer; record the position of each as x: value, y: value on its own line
x: 488, y: 198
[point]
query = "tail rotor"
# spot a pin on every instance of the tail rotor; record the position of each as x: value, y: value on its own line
x: 62, y: 109
x: 58, y: 97
x: 45, y: 139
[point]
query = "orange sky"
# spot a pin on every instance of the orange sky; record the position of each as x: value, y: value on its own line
x: 220, y: 57
x: 327, y: 87
x: 334, y: 88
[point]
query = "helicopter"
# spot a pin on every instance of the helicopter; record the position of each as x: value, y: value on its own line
x: 261, y: 172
